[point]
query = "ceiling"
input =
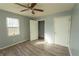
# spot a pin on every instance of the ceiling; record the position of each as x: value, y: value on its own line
x: 49, y: 8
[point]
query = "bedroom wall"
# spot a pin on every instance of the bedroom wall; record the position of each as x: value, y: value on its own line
x: 6, y: 40
x: 74, y: 41
x: 49, y: 24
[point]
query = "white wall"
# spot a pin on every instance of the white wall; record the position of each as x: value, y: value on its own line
x: 49, y: 30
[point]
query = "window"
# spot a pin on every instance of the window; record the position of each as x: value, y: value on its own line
x: 13, y: 26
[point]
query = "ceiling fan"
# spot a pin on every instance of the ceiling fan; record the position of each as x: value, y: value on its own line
x: 30, y: 7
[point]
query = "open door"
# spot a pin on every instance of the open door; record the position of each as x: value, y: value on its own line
x: 33, y: 30
x: 62, y: 30
x: 41, y: 30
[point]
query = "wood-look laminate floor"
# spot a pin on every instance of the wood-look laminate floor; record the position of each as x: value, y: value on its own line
x: 35, y: 48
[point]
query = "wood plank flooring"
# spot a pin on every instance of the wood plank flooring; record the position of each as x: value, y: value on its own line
x: 35, y: 48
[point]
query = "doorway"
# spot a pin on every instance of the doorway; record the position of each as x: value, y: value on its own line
x: 41, y: 30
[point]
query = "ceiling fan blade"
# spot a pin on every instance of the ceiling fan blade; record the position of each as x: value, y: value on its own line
x: 39, y: 10
x: 33, y: 5
x: 33, y: 12
x: 24, y: 10
x: 21, y: 5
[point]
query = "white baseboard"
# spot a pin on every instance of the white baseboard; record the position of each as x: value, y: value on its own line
x: 68, y: 48
x: 62, y: 45
x: 12, y: 44
x: 70, y: 51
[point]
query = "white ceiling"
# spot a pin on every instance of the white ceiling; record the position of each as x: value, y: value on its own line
x: 49, y: 8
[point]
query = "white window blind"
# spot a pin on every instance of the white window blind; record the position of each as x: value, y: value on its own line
x: 13, y: 26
